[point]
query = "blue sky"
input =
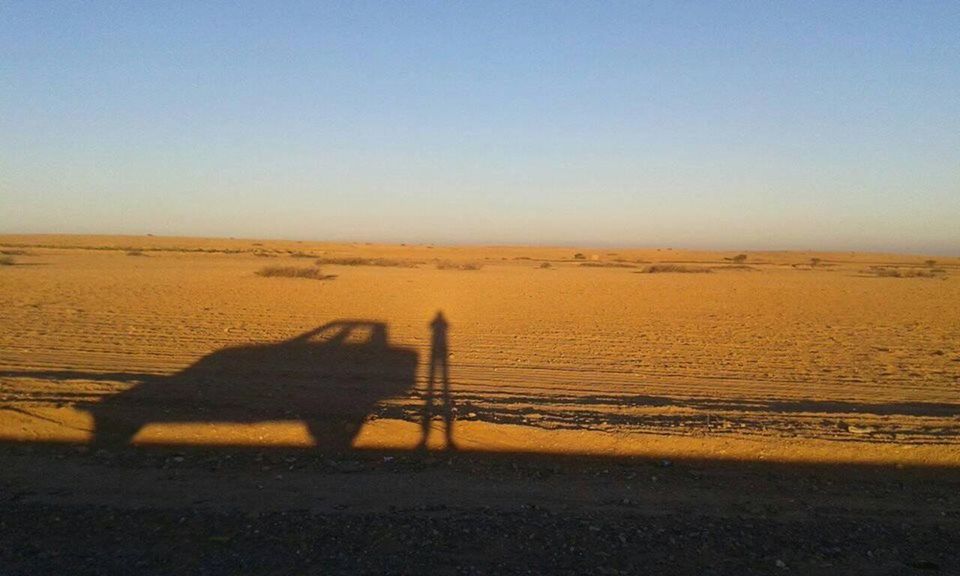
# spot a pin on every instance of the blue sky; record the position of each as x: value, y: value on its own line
x: 825, y: 125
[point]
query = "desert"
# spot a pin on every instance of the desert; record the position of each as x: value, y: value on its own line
x: 562, y: 385
x: 479, y: 288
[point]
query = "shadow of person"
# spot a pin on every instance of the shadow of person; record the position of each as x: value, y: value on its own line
x: 438, y: 369
x: 330, y: 378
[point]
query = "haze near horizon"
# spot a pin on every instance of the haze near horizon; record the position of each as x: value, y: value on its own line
x: 829, y: 126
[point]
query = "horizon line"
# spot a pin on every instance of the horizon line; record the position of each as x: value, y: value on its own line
x: 480, y: 244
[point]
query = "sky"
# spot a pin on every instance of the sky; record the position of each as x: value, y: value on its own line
x: 729, y: 125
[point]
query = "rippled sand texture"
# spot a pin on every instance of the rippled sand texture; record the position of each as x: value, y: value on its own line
x: 781, y: 360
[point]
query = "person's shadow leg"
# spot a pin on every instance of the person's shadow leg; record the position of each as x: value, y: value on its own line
x: 448, y: 409
x: 427, y: 409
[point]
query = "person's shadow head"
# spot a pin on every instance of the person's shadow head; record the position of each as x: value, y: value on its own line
x: 439, y: 327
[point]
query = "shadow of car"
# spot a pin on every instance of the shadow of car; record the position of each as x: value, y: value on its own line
x: 330, y: 378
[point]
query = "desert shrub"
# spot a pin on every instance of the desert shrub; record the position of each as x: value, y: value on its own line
x: 265, y: 254
x: 135, y: 253
x: 930, y: 263
x: 293, y: 272
x: 814, y: 262
x: 545, y: 265
x: 348, y: 261
x: 298, y: 254
x: 676, y: 268
x: 14, y: 253
x: 447, y: 265
x: 7, y: 261
x: 739, y: 259
x: 579, y: 256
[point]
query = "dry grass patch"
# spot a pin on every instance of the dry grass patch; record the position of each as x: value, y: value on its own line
x: 356, y: 261
x: 741, y: 267
x: 889, y: 272
x: 294, y: 272
x: 7, y: 261
x: 447, y: 265
x: 676, y: 269
x: 607, y: 265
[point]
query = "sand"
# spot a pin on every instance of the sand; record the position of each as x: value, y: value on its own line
x: 166, y: 409
x: 780, y: 361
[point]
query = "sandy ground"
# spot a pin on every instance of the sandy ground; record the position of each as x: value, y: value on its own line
x: 123, y: 356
